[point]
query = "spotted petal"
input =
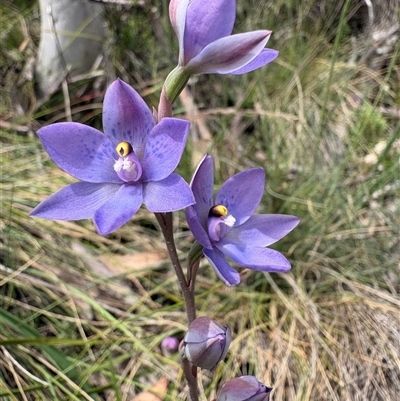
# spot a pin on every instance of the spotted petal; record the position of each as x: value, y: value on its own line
x: 82, y: 151
x: 224, y: 271
x: 242, y: 193
x: 164, y: 148
x: 75, y: 202
x: 170, y: 194
x: 126, y: 116
x: 119, y: 209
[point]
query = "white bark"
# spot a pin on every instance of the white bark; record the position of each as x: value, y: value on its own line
x: 72, y: 33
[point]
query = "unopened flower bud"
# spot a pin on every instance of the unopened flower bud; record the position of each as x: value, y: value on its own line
x: 206, y: 343
x: 244, y: 388
x: 169, y: 345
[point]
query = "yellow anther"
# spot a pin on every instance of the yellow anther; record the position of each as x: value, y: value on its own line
x: 123, y: 149
x: 218, y: 211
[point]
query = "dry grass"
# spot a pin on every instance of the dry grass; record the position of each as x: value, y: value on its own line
x: 83, y: 316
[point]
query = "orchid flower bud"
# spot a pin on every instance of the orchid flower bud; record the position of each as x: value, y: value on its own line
x: 244, y: 388
x: 169, y: 345
x: 205, y: 343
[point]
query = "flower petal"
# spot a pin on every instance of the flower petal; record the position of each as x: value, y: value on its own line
x: 230, y: 53
x: 119, y: 209
x: 207, y: 21
x: 254, y: 257
x: 126, y: 116
x: 170, y: 194
x: 224, y: 271
x: 196, y: 227
x: 75, y: 202
x: 164, y: 148
x: 242, y: 193
x: 203, y: 188
x: 265, y: 57
x: 177, y: 15
x: 262, y: 229
x: 82, y: 151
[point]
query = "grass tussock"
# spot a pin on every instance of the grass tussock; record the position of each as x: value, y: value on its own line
x: 83, y: 316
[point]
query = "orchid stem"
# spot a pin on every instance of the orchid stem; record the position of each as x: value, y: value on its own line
x: 166, y: 223
x: 167, y: 228
x: 187, y: 287
x: 191, y: 377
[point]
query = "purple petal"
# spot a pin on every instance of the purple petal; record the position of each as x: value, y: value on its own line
x: 170, y: 194
x: 164, y: 148
x: 242, y: 193
x: 203, y: 188
x: 202, y: 329
x: 265, y: 57
x: 196, y: 227
x: 205, y: 354
x: 75, y: 202
x: 262, y: 229
x: 230, y: 53
x: 244, y: 388
x: 82, y: 151
x: 224, y: 271
x: 177, y: 15
x: 207, y: 21
x: 119, y: 209
x: 126, y: 116
x: 254, y: 257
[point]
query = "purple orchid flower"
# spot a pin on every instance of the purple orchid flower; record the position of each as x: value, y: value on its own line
x: 132, y: 163
x: 206, y: 45
x: 244, y: 388
x: 227, y: 226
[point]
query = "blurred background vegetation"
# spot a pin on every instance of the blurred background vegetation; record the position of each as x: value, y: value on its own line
x: 82, y: 316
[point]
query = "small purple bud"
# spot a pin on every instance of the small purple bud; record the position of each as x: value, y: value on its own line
x: 170, y: 345
x: 206, y: 343
x: 244, y: 388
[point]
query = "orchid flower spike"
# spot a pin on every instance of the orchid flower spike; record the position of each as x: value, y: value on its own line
x: 206, y: 343
x: 132, y: 163
x: 244, y: 388
x: 206, y: 44
x: 227, y: 226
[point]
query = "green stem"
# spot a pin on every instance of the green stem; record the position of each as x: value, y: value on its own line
x: 175, y: 82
